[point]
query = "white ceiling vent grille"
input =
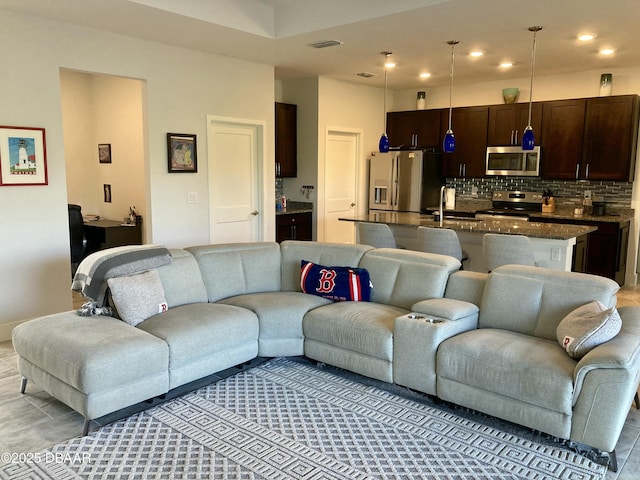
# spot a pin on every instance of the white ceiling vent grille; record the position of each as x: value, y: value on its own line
x: 326, y: 44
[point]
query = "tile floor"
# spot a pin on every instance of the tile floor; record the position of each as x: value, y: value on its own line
x: 35, y: 421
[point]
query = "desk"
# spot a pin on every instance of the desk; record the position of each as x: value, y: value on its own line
x: 101, y: 234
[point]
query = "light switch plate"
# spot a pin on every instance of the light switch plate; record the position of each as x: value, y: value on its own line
x: 192, y: 197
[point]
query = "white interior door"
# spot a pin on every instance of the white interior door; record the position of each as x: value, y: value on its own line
x: 341, y: 166
x: 234, y: 199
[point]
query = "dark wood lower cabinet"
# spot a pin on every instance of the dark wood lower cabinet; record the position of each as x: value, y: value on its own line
x: 606, y: 248
x: 294, y: 226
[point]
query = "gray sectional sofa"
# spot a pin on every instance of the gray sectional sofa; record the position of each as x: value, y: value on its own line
x: 483, y: 341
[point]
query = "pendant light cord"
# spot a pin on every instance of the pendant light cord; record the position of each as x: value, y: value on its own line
x: 453, y: 43
x: 535, y: 30
x: 385, y: 99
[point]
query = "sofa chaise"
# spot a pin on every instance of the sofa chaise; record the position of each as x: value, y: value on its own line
x: 484, y: 341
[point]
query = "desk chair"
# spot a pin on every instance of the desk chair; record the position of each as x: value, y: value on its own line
x: 377, y: 235
x: 76, y: 236
x: 500, y: 249
x: 443, y: 241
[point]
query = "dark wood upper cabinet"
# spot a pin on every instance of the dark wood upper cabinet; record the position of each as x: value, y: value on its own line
x: 507, y: 123
x: 563, y: 130
x: 414, y: 129
x: 610, y: 138
x: 581, y: 139
x: 469, y: 125
x: 590, y: 139
x: 286, y: 140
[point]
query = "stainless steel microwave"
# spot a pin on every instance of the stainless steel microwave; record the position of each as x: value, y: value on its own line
x: 513, y: 161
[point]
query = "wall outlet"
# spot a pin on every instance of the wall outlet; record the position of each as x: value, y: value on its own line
x: 587, y: 194
x: 555, y: 254
x: 192, y: 197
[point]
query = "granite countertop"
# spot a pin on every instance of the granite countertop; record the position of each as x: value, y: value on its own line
x: 556, y: 231
x: 466, y: 205
x: 295, y: 207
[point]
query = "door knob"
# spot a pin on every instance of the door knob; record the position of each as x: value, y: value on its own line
x: 353, y: 204
x: 254, y: 213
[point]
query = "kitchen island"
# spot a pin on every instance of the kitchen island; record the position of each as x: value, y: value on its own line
x: 553, y: 244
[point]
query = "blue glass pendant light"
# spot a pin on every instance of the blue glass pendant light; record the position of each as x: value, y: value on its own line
x: 383, y: 145
x: 528, y: 138
x: 449, y: 142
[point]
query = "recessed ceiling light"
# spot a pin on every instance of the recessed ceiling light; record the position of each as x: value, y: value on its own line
x: 506, y: 65
x: 607, y: 51
x: 425, y: 75
x: 586, y: 37
x: 476, y: 53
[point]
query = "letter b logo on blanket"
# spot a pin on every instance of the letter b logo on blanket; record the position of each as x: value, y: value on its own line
x: 336, y: 283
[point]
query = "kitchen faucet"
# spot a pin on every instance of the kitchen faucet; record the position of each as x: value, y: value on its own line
x: 442, y: 190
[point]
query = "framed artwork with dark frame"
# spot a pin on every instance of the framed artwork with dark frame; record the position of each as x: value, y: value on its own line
x: 182, y: 153
x: 23, y: 156
x: 104, y: 152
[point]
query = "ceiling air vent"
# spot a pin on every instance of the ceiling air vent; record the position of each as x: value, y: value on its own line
x: 366, y: 74
x: 326, y: 44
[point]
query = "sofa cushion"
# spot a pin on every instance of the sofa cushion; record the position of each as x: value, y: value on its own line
x: 280, y: 317
x: 204, y: 338
x: 513, y: 365
x: 587, y: 327
x: 137, y: 297
x: 181, y: 280
x: 361, y: 327
x: 238, y: 268
x: 335, y: 283
x: 533, y: 300
x: 294, y: 251
x: 404, y: 277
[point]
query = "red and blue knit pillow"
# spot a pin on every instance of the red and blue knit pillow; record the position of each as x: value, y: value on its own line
x: 340, y: 284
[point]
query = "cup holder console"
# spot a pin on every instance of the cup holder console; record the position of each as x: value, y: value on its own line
x: 419, y: 316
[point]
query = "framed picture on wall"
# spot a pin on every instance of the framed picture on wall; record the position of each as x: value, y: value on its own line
x: 182, y: 153
x: 104, y: 152
x: 23, y: 156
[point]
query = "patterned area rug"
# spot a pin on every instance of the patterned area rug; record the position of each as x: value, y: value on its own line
x: 290, y: 420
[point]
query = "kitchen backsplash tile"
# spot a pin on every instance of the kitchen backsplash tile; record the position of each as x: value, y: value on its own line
x: 616, y: 194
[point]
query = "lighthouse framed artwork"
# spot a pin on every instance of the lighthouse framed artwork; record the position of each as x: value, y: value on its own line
x: 23, y: 156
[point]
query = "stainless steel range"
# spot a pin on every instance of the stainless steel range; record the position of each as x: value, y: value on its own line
x: 514, y: 205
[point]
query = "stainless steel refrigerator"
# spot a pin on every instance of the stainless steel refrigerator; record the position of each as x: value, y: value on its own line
x: 405, y: 180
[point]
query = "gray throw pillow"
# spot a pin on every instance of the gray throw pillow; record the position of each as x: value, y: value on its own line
x: 138, y: 297
x: 587, y: 327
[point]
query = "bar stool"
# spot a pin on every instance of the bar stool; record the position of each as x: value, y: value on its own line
x: 501, y: 249
x: 443, y: 241
x: 377, y: 235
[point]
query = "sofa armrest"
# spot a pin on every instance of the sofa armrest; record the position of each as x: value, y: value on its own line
x: 418, y: 335
x: 605, y: 382
x: 446, y: 308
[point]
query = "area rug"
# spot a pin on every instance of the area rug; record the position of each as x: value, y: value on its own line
x: 287, y: 419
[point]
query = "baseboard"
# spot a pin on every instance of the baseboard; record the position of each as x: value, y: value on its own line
x: 7, y: 328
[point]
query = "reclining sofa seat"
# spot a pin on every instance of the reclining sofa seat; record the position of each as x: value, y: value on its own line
x: 264, y: 278
x: 512, y: 366
x: 359, y: 336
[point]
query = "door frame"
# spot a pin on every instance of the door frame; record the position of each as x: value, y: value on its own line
x: 259, y: 128
x: 358, y: 134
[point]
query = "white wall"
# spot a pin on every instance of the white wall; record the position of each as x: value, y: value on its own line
x: 554, y: 87
x: 181, y: 88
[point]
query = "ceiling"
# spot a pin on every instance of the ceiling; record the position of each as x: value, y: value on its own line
x: 278, y: 32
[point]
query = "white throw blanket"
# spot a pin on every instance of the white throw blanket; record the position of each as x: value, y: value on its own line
x: 92, y: 274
